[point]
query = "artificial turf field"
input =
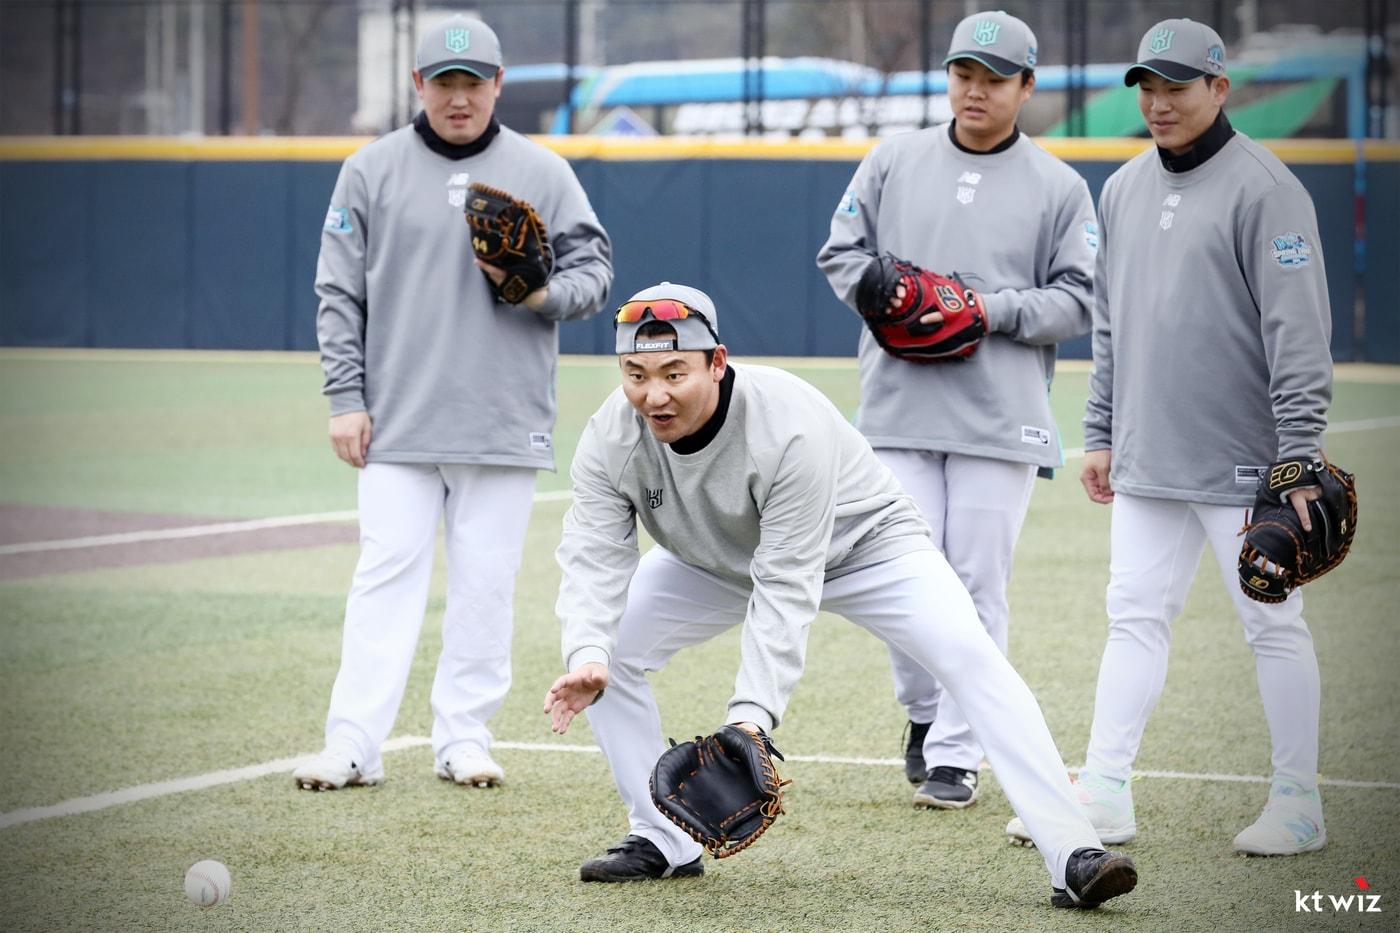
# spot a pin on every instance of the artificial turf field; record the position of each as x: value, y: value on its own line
x: 160, y: 666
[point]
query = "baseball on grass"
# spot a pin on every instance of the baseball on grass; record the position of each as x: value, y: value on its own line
x: 207, y: 883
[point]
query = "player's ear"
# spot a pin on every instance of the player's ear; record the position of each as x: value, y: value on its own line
x: 719, y: 362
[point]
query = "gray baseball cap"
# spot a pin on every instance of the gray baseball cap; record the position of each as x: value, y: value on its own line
x: 1179, y: 50
x: 462, y: 44
x: 998, y: 40
x: 692, y: 332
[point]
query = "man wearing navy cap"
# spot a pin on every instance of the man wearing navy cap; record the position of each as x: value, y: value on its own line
x: 442, y: 398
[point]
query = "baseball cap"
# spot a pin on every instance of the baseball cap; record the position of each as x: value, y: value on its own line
x: 459, y: 43
x: 998, y: 40
x: 1179, y: 50
x: 688, y: 310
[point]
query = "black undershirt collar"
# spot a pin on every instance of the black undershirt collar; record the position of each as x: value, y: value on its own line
x: 694, y: 443
x: 1206, y: 145
x: 452, y: 150
x: 1002, y: 146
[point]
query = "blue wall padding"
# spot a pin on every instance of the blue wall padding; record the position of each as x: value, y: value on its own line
x: 222, y: 254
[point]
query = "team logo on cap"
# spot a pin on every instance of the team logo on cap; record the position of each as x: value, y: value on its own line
x: 1030, y: 57
x: 1161, y: 40
x: 1215, y: 58
x: 984, y: 32
x: 457, y: 40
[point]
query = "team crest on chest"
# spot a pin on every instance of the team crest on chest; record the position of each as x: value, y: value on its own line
x: 1170, y: 202
x: 654, y: 498
x: 966, y: 194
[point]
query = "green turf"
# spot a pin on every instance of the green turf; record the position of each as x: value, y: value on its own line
x: 121, y: 677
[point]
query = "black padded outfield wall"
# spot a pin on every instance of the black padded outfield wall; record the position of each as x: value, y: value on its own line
x: 212, y: 244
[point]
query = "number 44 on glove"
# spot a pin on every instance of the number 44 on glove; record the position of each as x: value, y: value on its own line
x: 895, y: 322
x: 508, y: 233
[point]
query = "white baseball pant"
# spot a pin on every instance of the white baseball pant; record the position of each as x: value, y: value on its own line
x: 1156, y: 545
x: 975, y: 507
x: 913, y: 602
x: 487, y: 509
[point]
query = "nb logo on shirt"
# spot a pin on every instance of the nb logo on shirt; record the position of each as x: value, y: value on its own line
x: 654, y: 498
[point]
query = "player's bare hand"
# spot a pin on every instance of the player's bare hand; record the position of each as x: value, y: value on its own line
x: 1094, y: 476
x: 350, y: 434
x: 573, y: 693
x: 533, y: 301
x: 1300, y: 498
x: 897, y: 299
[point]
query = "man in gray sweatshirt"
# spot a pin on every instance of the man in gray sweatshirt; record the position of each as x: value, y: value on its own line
x: 967, y: 438
x: 443, y: 398
x: 1211, y: 361
x: 766, y: 505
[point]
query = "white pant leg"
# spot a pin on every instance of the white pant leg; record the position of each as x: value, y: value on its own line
x: 976, y: 507
x: 1285, y: 661
x: 987, y: 502
x: 488, y: 509
x: 917, y: 604
x: 670, y: 605
x: 920, y: 472
x: 399, y: 509
x: 1154, y: 548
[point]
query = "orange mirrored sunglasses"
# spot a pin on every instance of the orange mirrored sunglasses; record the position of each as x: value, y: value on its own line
x: 661, y: 309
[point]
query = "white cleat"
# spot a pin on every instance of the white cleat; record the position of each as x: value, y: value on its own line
x: 332, y: 770
x: 471, y: 768
x: 1106, y: 802
x: 1291, y: 823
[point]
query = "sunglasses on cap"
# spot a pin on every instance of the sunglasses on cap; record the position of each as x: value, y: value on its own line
x: 661, y: 309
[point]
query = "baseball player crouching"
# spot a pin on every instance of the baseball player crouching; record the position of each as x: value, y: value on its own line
x: 1211, y: 361
x: 1019, y: 224
x: 766, y: 506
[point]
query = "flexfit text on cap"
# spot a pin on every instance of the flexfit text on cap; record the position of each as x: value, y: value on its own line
x: 691, y: 332
x: 1179, y: 50
x: 998, y: 40
x: 461, y: 44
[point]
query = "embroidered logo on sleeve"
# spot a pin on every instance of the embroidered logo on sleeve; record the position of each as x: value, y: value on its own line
x: 1091, y: 234
x: 338, y: 220
x: 1291, y: 250
x: 539, y: 440
x: 1038, y: 436
x: 848, y: 204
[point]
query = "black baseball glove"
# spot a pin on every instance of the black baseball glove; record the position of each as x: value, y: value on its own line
x: 509, y: 234
x: 1278, y: 554
x: 722, y: 789
x: 898, y: 330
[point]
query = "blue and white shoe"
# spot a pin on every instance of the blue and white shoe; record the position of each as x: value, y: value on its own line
x: 1290, y: 824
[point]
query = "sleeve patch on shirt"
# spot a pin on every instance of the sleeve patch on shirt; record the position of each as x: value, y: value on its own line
x: 848, y: 204
x: 1291, y: 250
x: 1091, y: 234
x: 1249, y: 475
x: 338, y: 220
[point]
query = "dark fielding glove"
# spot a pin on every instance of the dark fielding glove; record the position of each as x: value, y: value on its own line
x: 955, y: 338
x: 1277, y: 553
x: 722, y: 789
x: 508, y: 234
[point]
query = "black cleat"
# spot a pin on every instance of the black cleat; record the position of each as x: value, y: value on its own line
x: 636, y: 859
x: 914, y: 767
x: 1092, y: 876
x: 947, y: 788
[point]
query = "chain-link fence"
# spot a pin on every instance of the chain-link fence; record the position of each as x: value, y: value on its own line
x: 719, y: 67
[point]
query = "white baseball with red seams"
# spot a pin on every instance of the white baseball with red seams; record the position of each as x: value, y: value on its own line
x: 207, y: 883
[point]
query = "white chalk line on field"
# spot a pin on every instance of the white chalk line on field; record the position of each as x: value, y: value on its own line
x: 140, y: 792
x: 289, y: 521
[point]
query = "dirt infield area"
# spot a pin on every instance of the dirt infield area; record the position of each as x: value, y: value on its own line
x: 37, y: 541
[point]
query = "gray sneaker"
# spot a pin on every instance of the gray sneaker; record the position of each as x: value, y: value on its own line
x: 947, y: 788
